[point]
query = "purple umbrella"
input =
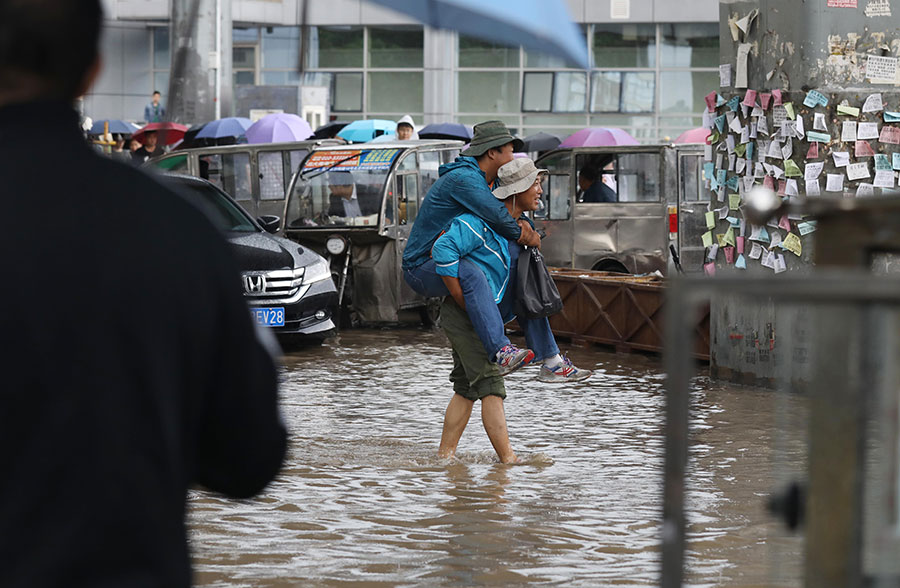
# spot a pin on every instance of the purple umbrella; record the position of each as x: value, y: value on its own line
x: 279, y: 128
x: 599, y: 137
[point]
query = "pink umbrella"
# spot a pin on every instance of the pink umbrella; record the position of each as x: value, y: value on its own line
x: 279, y: 128
x: 697, y: 135
x: 599, y: 137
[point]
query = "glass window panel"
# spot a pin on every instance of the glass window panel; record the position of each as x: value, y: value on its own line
x: 606, y: 88
x: 161, y: 48
x: 271, y: 175
x: 488, y: 91
x: 409, y: 198
x: 624, y: 45
x: 297, y: 157
x: 274, y: 78
x: 335, y: 47
x: 395, y: 47
x: 689, y: 45
x: 542, y: 60
x: 346, y: 95
x: 621, y: 120
x: 538, y: 92
x: 394, y: 91
x: 231, y: 172
x: 570, y: 92
x: 280, y: 47
x: 243, y: 57
x: 637, y: 177
x: 245, y: 77
x: 244, y: 35
x: 478, y: 53
x: 543, y: 120
x: 684, y: 91
x: 511, y: 122
x: 638, y: 92
x: 429, y: 162
x: 558, y: 195
x: 161, y: 83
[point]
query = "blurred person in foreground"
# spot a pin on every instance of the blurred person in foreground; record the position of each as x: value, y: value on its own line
x: 131, y: 367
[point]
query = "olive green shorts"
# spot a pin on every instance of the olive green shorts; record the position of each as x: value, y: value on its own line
x: 473, y: 376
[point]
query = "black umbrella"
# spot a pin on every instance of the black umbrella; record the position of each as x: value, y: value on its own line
x: 446, y: 131
x: 190, y: 137
x: 541, y: 142
x: 330, y: 130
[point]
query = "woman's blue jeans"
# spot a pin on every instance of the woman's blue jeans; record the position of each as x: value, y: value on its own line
x: 484, y: 313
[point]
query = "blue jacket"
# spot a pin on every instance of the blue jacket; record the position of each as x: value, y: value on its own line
x: 470, y: 237
x: 461, y: 188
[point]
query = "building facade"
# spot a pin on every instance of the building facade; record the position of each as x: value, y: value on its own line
x: 652, y: 62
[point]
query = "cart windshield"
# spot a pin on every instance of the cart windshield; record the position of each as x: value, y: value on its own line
x: 340, y: 187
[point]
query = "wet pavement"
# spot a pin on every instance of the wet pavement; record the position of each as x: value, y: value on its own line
x: 363, y: 499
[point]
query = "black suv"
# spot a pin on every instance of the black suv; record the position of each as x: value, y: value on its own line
x: 288, y: 288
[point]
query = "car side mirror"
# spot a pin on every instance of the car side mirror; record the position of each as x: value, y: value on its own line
x: 270, y: 223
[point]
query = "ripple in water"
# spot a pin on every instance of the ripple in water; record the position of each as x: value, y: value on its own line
x: 364, y: 500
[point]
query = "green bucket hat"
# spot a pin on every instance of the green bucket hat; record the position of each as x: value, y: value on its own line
x: 491, y: 134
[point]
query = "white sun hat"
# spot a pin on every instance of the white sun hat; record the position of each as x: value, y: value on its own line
x: 515, y: 177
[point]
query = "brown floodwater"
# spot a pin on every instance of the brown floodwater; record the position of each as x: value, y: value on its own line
x: 363, y: 499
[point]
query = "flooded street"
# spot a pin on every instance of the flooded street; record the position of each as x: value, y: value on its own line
x: 363, y: 499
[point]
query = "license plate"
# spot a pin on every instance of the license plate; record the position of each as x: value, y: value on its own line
x: 269, y: 316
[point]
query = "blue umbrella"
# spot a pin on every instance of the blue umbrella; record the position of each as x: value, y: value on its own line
x: 115, y: 126
x: 542, y: 25
x: 360, y: 131
x: 233, y: 126
x: 446, y: 131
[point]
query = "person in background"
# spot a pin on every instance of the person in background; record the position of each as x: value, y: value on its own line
x: 343, y: 200
x: 405, y: 128
x: 118, y: 151
x: 592, y: 189
x: 155, y: 112
x: 149, y: 150
x: 114, y: 401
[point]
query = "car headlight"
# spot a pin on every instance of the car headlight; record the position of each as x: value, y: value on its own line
x: 316, y: 272
x: 336, y: 244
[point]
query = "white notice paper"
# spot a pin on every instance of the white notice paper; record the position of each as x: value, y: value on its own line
x: 867, y: 130
x: 780, y: 265
x: 856, y: 171
x: 791, y: 188
x: 756, y: 251
x: 835, y: 183
x: 865, y: 189
x: 812, y: 188
x: 819, y: 121
x: 740, y: 79
x: 779, y: 115
x: 841, y: 158
x: 848, y: 131
x: 881, y: 70
x: 884, y: 179
x: 725, y: 75
x: 873, y: 103
x: 813, y: 170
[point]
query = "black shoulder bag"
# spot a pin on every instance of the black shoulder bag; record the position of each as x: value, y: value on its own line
x: 536, y: 293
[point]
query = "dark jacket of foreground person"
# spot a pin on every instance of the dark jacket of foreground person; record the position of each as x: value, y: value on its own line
x: 130, y: 367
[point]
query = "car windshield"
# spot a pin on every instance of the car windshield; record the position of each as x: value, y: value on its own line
x: 224, y: 213
x: 340, y: 187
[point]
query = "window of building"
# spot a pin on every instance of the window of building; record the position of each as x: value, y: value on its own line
x: 613, y: 91
x: 280, y: 48
x: 346, y: 92
x: 554, y: 92
x: 488, y: 92
x: 335, y: 47
x: 395, y: 91
x: 481, y: 54
x: 159, y: 39
x: 244, y: 64
x: 624, y: 45
x: 683, y: 91
x: 689, y: 45
x: 391, y: 47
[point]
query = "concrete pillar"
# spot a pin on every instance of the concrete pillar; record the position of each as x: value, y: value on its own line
x: 440, y: 74
x: 199, y: 29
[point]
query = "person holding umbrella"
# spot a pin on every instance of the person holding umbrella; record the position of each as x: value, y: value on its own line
x: 149, y: 150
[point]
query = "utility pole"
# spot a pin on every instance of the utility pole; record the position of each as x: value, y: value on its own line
x: 200, y: 83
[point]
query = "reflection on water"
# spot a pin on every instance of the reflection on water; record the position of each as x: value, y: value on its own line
x: 364, y: 500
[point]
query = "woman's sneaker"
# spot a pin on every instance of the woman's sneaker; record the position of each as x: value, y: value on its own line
x: 563, y: 372
x: 510, y: 358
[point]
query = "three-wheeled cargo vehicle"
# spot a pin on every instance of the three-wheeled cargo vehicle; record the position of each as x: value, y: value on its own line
x: 255, y: 175
x: 356, y: 204
x: 621, y: 208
